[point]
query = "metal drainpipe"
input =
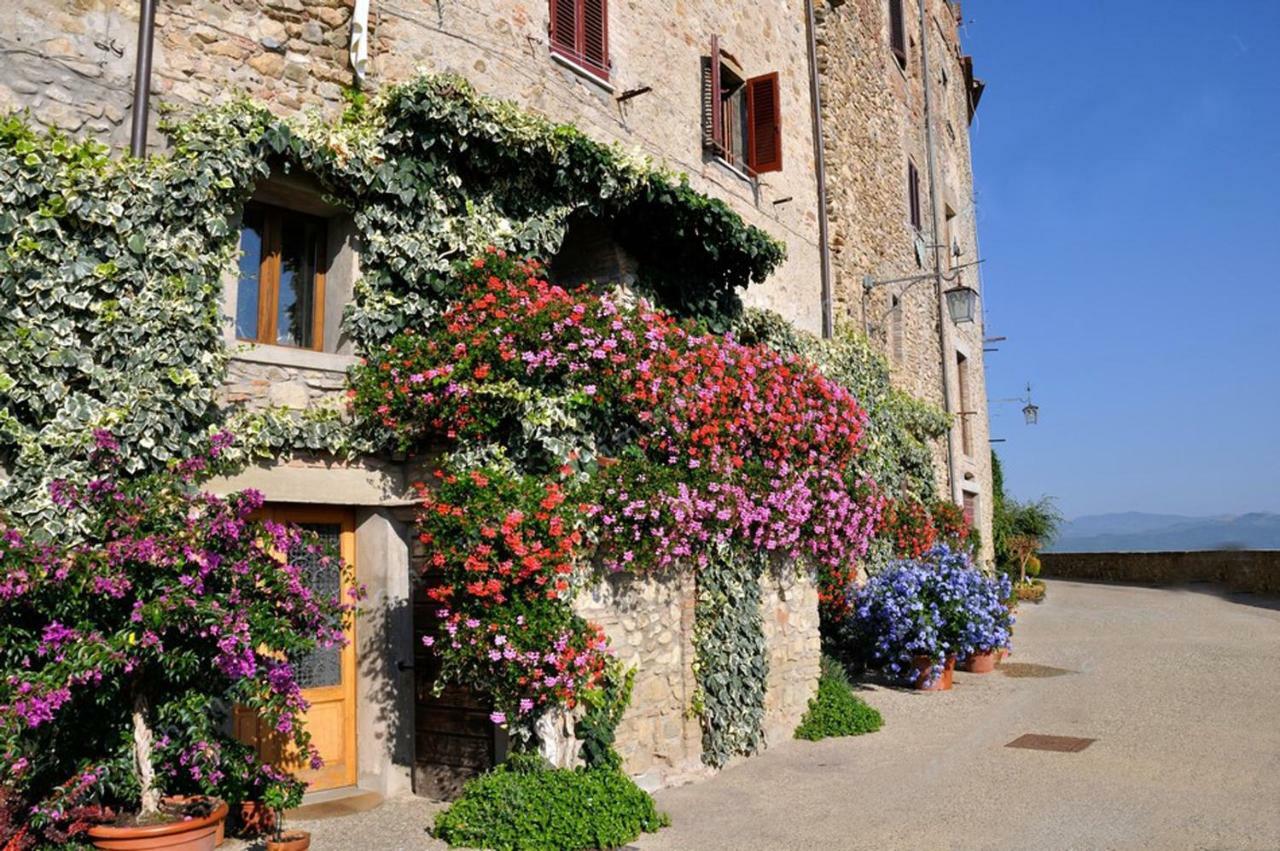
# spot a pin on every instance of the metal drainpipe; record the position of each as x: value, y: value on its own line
x: 142, y: 78
x: 937, y: 247
x: 824, y: 248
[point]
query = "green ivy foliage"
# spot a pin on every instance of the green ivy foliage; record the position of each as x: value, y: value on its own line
x: 525, y: 805
x: 597, y: 728
x: 731, y: 661
x: 111, y: 270
x: 835, y: 710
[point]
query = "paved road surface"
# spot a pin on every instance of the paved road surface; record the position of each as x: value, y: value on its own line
x: 1180, y: 688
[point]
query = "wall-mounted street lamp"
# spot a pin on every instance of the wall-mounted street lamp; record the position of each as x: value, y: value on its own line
x: 962, y: 303
x: 1030, y: 410
x: 962, y: 299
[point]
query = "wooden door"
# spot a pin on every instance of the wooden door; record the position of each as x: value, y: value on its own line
x: 327, y: 675
x: 454, y: 740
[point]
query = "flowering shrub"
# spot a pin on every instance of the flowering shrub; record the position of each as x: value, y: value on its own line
x: 134, y: 645
x: 909, y: 526
x: 937, y: 607
x: 667, y: 442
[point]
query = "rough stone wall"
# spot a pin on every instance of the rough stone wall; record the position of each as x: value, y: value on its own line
x: 71, y: 61
x: 649, y: 621
x: 790, y: 610
x: 255, y: 385
x: 873, y: 123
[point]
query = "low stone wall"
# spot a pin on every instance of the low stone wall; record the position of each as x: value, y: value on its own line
x: 1257, y: 571
x: 649, y: 621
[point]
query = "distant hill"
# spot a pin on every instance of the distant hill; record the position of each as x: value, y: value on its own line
x: 1134, y: 531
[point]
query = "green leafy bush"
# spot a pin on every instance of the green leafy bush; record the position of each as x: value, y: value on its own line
x: 836, y: 710
x: 525, y: 805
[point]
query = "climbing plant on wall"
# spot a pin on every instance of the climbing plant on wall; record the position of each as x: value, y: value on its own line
x: 110, y: 287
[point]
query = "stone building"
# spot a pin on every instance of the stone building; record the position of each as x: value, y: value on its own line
x: 720, y: 91
x: 900, y: 204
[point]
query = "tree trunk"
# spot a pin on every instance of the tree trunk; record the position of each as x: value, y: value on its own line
x: 150, y: 797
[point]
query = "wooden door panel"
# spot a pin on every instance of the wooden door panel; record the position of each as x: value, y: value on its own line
x: 327, y: 676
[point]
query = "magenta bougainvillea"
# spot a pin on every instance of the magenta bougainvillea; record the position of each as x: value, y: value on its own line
x: 670, y: 443
x: 177, y: 607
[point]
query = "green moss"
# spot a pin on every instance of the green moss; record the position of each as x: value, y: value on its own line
x: 836, y: 710
x: 524, y: 805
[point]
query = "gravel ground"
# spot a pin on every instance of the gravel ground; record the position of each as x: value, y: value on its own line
x: 1176, y: 686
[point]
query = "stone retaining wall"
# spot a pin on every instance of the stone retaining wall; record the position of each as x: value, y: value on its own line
x: 1257, y: 571
x: 649, y: 621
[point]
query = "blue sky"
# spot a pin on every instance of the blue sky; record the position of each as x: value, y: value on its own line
x: 1127, y: 171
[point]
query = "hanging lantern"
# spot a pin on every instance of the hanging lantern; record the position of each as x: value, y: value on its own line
x: 1032, y: 413
x: 962, y: 304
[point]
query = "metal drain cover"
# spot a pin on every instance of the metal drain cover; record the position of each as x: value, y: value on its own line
x: 1040, y: 742
x: 1026, y: 669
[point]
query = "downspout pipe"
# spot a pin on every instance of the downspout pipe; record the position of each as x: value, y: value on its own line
x: 142, y: 78
x: 937, y: 248
x: 824, y: 247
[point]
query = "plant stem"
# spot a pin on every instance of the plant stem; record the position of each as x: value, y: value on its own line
x: 150, y: 795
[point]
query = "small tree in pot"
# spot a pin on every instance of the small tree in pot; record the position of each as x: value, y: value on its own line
x: 121, y: 655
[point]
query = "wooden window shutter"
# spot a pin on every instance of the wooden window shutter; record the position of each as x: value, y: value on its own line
x: 564, y: 25
x: 764, y: 124
x: 595, y: 35
x: 898, y: 32
x: 712, y: 114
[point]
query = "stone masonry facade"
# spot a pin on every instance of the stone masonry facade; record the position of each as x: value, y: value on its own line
x: 649, y: 621
x: 873, y: 126
x: 71, y: 63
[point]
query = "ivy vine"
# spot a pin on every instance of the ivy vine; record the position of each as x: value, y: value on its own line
x: 111, y: 288
x: 731, y: 656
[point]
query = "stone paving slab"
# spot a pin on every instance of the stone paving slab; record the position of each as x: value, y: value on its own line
x: 1176, y: 686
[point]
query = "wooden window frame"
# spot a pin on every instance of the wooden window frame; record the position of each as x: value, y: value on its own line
x: 576, y: 53
x: 716, y: 125
x: 898, y: 32
x: 269, y: 278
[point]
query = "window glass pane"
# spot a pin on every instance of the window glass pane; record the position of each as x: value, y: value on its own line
x: 296, y: 308
x: 322, y: 666
x: 735, y: 119
x: 250, y: 269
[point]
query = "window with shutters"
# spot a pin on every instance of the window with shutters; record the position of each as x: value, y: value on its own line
x: 580, y: 34
x: 741, y: 115
x: 962, y: 380
x: 898, y: 32
x: 913, y: 196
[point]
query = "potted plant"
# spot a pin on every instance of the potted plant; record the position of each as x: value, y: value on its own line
x: 123, y: 650
x: 285, y: 794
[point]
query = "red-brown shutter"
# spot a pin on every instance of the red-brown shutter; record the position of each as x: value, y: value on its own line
x: 564, y: 25
x: 764, y: 124
x: 595, y: 36
x: 898, y: 32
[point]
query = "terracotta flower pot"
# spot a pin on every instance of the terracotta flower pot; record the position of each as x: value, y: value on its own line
x: 294, y: 840
x: 254, y: 819
x: 923, y: 666
x: 180, y: 834
x: 981, y: 663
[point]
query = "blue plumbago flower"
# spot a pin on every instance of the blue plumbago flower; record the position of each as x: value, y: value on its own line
x: 936, y: 607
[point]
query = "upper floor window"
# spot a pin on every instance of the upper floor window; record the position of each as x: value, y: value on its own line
x: 742, y: 116
x: 280, y: 288
x: 580, y: 33
x: 913, y: 196
x: 898, y: 32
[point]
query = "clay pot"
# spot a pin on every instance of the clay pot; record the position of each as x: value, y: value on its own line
x: 254, y: 819
x: 981, y: 663
x: 294, y: 840
x: 923, y: 664
x: 192, y: 834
